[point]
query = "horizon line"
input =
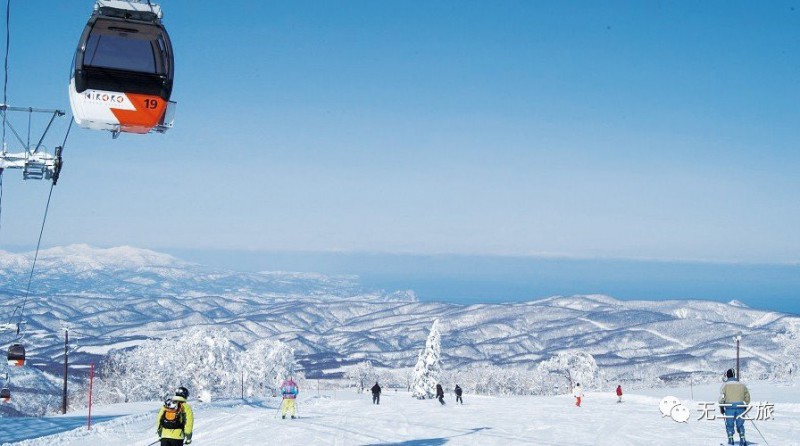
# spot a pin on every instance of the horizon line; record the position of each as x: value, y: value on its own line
x: 24, y: 249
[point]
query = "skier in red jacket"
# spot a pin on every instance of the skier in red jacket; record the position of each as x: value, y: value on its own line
x: 619, y: 393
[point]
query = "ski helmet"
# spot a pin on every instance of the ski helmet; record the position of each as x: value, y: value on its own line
x: 730, y: 373
x: 182, y: 392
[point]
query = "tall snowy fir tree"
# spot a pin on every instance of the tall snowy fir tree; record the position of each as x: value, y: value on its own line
x: 428, y: 370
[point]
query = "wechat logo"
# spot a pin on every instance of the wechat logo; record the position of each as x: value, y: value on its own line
x: 672, y: 407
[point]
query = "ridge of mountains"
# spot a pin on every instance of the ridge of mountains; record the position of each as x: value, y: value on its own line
x: 118, y: 297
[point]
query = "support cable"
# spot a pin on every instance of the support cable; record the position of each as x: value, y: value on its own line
x: 35, y: 257
x: 38, y: 246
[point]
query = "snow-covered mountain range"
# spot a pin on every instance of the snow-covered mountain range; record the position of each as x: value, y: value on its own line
x: 115, y: 298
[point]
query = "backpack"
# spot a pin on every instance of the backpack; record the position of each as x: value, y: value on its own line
x: 173, y: 418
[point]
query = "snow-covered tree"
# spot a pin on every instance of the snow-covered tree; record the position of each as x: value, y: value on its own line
x: 396, y: 378
x: 209, y: 359
x: 427, y: 372
x: 788, y: 363
x: 361, y: 375
x: 265, y: 364
x: 574, y: 367
x: 202, y: 359
x: 487, y: 379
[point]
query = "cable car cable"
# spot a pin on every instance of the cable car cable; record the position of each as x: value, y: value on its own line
x: 1, y: 201
x: 5, y: 98
x: 38, y: 244
x: 8, y: 45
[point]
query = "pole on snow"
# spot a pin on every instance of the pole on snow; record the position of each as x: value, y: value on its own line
x: 91, y: 381
x: 66, y: 365
x: 737, y: 338
x: 759, y: 432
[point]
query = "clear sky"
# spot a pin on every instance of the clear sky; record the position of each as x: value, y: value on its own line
x: 645, y: 130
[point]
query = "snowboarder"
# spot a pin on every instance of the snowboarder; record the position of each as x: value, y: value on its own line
x: 175, y: 420
x: 619, y: 393
x: 733, y: 401
x: 577, y: 392
x: 289, y: 392
x: 376, y: 393
x: 440, y: 393
x: 458, y: 395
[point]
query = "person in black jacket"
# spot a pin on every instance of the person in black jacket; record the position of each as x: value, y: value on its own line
x: 458, y: 394
x: 376, y: 393
x: 440, y: 393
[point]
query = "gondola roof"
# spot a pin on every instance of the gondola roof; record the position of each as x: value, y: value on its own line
x: 129, y: 10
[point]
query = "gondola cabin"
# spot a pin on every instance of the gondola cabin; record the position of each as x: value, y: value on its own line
x: 16, y: 355
x: 5, y: 394
x: 122, y: 72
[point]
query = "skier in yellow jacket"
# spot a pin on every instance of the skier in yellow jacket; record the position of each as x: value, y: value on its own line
x: 175, y: 420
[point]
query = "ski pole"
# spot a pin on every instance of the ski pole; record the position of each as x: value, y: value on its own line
x: 759, y: 432
x: 155, y: 442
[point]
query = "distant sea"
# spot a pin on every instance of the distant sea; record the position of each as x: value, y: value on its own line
x: 492, y: 279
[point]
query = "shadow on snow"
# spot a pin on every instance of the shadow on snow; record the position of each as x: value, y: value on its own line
x: 24, y: 428
x: 431, y: 441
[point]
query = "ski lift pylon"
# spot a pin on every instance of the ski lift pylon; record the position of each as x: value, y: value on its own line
x: 123, y: 69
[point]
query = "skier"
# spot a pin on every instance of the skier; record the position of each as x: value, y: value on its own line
x: 289, y: 392
x: 458, y: 395
x: 440, y: 393
x: 733, y: 401
x: 577, y: 392
x: 619, y: 393
x: 376, y: 393
x: 175, y: 420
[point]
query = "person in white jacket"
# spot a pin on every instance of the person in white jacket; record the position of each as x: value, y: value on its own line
x: 577, y: 392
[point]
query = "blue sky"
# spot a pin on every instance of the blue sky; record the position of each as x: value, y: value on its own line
x: 644, y: 130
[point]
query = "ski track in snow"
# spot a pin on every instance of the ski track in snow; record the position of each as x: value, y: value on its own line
x: 596, y: 324
x: 663, y: 336
x: 346, y: 418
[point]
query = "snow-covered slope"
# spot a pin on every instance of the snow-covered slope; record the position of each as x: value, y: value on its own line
x: 345, y: 418
x: 114, y: 298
